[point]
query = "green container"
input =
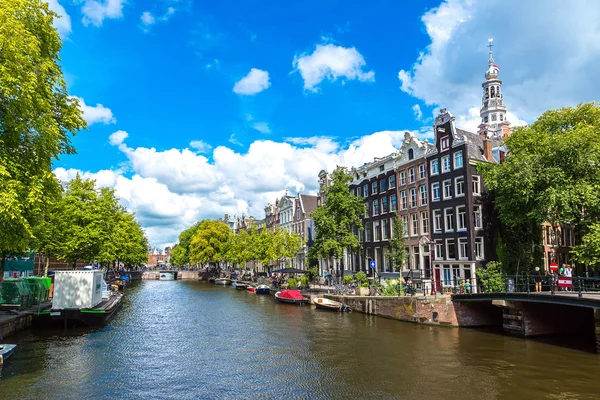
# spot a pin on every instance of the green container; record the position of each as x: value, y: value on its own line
x: 17, y: 292
x: 38, y: 289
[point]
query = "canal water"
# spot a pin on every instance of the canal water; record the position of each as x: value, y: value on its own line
x: 194, y: 340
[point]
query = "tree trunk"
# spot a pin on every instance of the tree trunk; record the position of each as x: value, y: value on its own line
x: 46, y: 267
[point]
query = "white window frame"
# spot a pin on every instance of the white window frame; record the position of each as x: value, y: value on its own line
x: 458, y: 193
x: 413, y: 196
x: 437, y: 221
x: 414, y: 218
x: 447, y: 184
x: 403, y: 177
x: 444, y: 143
x: 375, y: 239
x: 374, y: 188
x: 479, y: 248
x: 463, y: 245
x: 477, y: 216
x: 391, y: 202
x: 422, y: 171
x: 464, y: 218
x: 449, y: 219
x: 375, y: 211
x: 433, y: 198
x: 437, y: 251
x: 436, y: 170
x: 366, y: 190
x: 390, y: 180
x: 446, y: 163
x: 405, y: 225
x: 412, y: 175
x: 448, y: 241
x: 424, y: 223
x: 476, y: 180
x: 462, y: 161
x: 423, y: 195
x: 403, y: 200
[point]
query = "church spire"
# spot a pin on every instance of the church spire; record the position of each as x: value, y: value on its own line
x: 493, y: 110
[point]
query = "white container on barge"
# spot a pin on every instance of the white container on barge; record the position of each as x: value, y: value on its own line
x: 77, y: 289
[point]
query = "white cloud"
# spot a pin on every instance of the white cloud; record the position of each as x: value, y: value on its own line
x: 331, y: 62
x: 418, y: 113
x: 201, y: 146
x: 95, y: 11
x: 541, y: 68
x: 63, y: 22
x: 255, y: 82
x: 170, y: 190
x: 117, y: 137
x: 233, y: 140
x: 95, y: 114
x: 262, y: 127
x: 147, y: 18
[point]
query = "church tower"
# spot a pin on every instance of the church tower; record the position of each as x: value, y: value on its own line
x: 493, y: 110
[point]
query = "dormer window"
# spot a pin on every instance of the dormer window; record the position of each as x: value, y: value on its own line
x: 411, y: 154
x: 445, y: 143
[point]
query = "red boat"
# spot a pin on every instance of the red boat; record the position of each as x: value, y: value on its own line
x: 250, y: 289
x: 291, y: 296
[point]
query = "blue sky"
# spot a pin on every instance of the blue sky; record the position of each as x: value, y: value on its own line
x: 197, y: 108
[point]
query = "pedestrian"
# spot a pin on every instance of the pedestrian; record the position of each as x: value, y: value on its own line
x: 568, y: 272
x: 537, y: 277
x: 468, y: 286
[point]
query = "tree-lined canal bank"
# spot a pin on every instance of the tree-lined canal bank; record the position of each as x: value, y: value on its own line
x: 196, y: 340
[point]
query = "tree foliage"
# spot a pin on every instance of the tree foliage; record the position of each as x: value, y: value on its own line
x: 178, y: 256
x: 336, y: 218
x: 209, y: 243
x: 551, y: 174
x: 399, y: 253
x: 37, y: 117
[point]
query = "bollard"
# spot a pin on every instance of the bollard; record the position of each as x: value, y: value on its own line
x: 579, y: 284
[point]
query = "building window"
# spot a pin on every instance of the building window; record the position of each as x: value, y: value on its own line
x: 376, y: 207
x: 405, y: 225
x: 368, y: 233
x: 445, y: 164
x: 422, y: 171
x: 383, y: 185
x: 450, y: 249
x: 424, y: 223
x: 437, y: 220
x: 377, y: 230
x: 392, y: 181
x: 459, y: 186
x: 445, y: 143
x: 403, y: 202
x: 384, y: 205
x: 476, y: 186
x: 385, y: 229
x: 462, y: 249
x: 411, y: 175
x: 437, y: 251
x: 393, y: 203
x: 435, y: 191
x: 477, y: 219
x: 411, y: 154
x: 367, y: 209
x: 423, y: 195
x: 479, y: 248
x: 415, y: 224
x: 458, y: 159
x: 413, y: 197
x: 447, y: 189
x: 374, y: 188
x: 366, y: 190
x: 493, y: 115
x: 358, y: 191
x: 382, y: 168
x: 403, y: 178
x: 391, y: 227
x: 449, y: 217
x: 435, y: 167
x: 461, y: 218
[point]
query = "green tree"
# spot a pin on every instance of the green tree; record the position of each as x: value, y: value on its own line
x: 286, y: 245
x: 37, y: 117
x: 178, y: 256
x: 588, y: 251
x: 551, y: 174
x: 336, y: 218
x: 490, y: 279
x: 399, y: 253
x: 209, y: 243
x: 185, y: 240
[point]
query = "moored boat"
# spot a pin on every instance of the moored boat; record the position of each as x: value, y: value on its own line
x: 262, y: 289
x: 166, y: 276
x: 251, y: 289
x: 291, y: 296
x: 222, y: 281
x: 6, y: 350
x: 331, y: 305
x: 240, y: 286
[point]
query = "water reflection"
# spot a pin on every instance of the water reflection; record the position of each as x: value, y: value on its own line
x: 179, y: 340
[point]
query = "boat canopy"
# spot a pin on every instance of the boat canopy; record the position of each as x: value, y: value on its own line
x: 291, y: 294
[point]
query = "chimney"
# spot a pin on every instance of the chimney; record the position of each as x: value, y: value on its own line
x: 487, y: 150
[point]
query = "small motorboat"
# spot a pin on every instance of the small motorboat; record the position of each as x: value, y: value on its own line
x: 6, y: 351
x: 262, y: 289
x: 291, y: 296
x: 240, y: 286
x: 222, y: 281
x: 251, y: 289
x: 326, y: 304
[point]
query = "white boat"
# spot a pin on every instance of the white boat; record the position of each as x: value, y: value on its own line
x: 166, y: 276
x: 6, y: 351
x: 222, y: 281
x: 326, y: 304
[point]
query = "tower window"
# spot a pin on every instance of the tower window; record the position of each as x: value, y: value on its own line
x: 411, y: 154
x: 485, y: 119
x: 493, y: 117
x: 492, y: 92
x: 501, y: 117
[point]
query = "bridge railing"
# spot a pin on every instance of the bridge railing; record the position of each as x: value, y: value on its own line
x: 547, y: 284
